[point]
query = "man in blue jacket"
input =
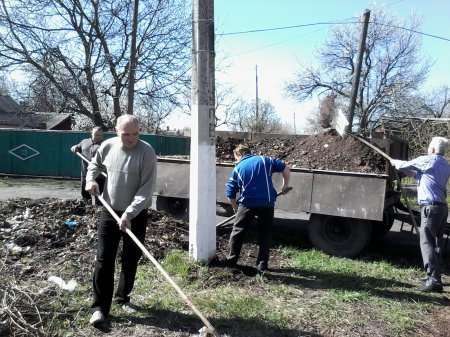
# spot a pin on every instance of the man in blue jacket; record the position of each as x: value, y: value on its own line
x: 252, y: 178
x: 432, y: 173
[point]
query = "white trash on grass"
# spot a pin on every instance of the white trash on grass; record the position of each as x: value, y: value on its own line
x: 69, y: 286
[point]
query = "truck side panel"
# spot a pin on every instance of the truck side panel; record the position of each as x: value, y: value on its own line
x: 342, y: 194
x: 348, y: 196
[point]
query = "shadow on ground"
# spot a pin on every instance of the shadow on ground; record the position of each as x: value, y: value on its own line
x: 233, y: 327
x: 399, y: 248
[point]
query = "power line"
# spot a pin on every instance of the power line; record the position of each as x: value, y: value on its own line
x: 331, y: 23
x: 413, y: 31
x: 282, y: 28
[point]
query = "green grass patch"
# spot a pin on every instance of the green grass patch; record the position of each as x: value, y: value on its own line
x: 327, y: 295
x: 315, y: 261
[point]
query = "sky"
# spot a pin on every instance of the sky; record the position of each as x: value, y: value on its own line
x: 279, y: 54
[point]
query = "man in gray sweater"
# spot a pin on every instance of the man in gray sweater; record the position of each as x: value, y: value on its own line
x: 130, y: 165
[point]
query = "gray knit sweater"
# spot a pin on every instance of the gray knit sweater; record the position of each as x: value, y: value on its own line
x: 131, y: 175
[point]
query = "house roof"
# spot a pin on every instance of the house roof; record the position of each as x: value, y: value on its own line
x: 8, y: 105
x: 11, y: 116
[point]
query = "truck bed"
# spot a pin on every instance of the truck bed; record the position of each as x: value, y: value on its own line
x: 346, y: 194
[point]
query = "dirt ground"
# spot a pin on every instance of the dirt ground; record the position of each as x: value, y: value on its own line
x: 37, y: 244
x: 325, y: 151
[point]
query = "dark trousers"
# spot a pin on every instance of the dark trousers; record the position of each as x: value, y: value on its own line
x: 244, y: 219
x: 109, y: 235
x: 432, y: 222
x: 85, y: 194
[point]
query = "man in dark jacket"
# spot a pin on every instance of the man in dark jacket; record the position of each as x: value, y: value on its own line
x: 252, y: 178
x: 88, y: 147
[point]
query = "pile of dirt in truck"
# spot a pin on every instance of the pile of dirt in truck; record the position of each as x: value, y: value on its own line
x: 325, y: 151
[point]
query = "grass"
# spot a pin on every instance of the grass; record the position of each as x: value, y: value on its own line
x: 312, y: 292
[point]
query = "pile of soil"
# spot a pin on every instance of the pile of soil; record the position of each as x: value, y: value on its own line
x: 50, y: 237
x: 326, y: 151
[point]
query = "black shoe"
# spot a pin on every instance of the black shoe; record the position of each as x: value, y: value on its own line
x: 227, y: 263
x: 432, y: 287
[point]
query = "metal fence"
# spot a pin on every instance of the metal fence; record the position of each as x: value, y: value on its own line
x: 47, y: 153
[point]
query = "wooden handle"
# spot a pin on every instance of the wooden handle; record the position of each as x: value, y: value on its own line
x: 373, y: 147
x: 87, y: 161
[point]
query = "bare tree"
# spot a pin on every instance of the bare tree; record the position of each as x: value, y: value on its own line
x: 225, y: 103
x: 437, y: 103
x: 82, y: 48
x: 244, y: 117
x: 391, y: 68
x: 152, y: 113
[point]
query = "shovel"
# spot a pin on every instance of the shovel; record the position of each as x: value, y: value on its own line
x: 208, y: 329
x: 234, y: 215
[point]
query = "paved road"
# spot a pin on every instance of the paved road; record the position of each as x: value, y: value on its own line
x: 35, y: 188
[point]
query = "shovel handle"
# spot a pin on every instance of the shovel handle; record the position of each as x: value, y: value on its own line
x: 373, y: 147
x: 87, y: 161
x: 234, y: 215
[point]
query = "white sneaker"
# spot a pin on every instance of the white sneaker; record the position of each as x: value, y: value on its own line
x: 97, y: 317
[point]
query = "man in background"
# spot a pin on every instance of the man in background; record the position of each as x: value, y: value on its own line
x: 88, y: 147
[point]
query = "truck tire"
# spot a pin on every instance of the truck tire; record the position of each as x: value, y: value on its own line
x: 177, y: 207
x: 381, y: 228
x: 339, y: 236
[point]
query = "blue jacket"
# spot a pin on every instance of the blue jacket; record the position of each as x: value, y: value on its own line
x: 252, y: 178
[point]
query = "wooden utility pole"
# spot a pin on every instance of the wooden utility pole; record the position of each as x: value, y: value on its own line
x: 133, y: 61
x: 357, y: 72
x: 202, y: 188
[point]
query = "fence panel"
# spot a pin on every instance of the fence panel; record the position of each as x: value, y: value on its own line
x: 47, y: 153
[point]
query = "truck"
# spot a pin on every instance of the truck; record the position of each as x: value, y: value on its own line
x: 346, y: 210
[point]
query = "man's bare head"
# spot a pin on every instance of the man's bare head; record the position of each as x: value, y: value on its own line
x: 127, y: 128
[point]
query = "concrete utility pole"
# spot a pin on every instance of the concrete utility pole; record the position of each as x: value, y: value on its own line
x: 256, y: 99
x: 357, y: 73
x: 132, y: 69
x: 202, y: 188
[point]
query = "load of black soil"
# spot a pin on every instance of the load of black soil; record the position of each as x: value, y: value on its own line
x: 325, y: 151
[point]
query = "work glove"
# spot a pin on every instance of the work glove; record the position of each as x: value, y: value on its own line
x: 396, y: 163
x: 124, y: 222
x: 92, y: 187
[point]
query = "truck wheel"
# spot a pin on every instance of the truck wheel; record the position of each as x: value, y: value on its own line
x: 175, y: 206
x: 339, y: 236
x: 381, y: 228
